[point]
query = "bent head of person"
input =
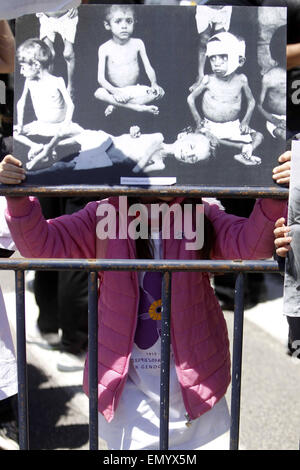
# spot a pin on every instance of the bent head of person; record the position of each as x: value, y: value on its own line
x: 34, y: 55
x: 191, y: 148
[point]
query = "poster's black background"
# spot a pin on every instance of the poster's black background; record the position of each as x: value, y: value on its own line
x: 171, y: 40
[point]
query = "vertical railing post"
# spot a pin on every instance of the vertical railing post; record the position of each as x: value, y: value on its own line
x: 21, y: 362
x: 237, y: 361
x: 165, y: 361
x: 93, y: 359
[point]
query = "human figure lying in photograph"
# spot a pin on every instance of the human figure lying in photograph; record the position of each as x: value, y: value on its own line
x: 52, y: 105
x: 118, y: 66
x: 272, y: 101
x: 221, y: 95
x: 143, y: 153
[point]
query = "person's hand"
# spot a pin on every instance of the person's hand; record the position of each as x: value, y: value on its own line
x: 11, y: 171
x: 135, y: 132
x: 72, y: 12
x: 282, y: 125
x: 200, y: 125
x: 157, y: 91
x: 244, y: 128
x: 282, y: 173
x: 278, y: 122
x: 282, y: 239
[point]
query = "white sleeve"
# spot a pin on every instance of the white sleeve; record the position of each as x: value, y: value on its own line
x: 15, y: 8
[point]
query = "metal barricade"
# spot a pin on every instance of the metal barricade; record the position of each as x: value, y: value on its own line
x: 166, y: 267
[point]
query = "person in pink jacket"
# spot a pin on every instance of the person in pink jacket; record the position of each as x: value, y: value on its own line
x: 129, y: 310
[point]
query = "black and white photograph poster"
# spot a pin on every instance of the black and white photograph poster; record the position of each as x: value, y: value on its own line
x: 291, y: 292
x: 151, y: 94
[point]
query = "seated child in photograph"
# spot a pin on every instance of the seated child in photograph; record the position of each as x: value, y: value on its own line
x: 221, y: 94
x: 51, y: 102
x: 210, y: 20
x: 272, y: 101
x: 63, y: 23
x: 118, y: 66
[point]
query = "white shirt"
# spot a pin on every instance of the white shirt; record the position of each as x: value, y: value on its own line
x: 14, y: 8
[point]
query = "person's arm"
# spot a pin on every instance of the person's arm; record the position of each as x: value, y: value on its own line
x: 37, y: 238
x: 292, y: 56
x: 21, y: 107
x: 149, y: 69
x: 67, y: 99
x: 252, y: 238
x: 250, y: 105
x: 7, y: 48
x: 191, y: 100
x: 240, y: 238
x: 266, y: 84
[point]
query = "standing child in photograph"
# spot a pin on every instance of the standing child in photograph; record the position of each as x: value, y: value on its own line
x: 222, y: 92
x: 129, y: 341
x: 272, y: 101
x: 210, y: 20
x: 51, y: 102
x: 63, y: 23
x: 118, y: 65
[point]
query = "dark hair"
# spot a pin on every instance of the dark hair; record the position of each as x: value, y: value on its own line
x: 109, y: 10
x: 278, y: 45
x: 145, y: 247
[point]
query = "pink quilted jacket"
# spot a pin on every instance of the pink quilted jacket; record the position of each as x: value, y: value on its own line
x: 198, y: 329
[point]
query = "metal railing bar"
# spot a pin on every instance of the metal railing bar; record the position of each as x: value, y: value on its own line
x: 237, y: 362
x: 93, y: 358
x: 106, y: 191
x: 214, y: 266
x: 165, y: 361
x: 21, y: 362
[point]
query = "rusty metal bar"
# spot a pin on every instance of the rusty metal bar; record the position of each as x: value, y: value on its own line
x: 138, y: 265
x: 237, y: 362
x: 21, y: 362
x: 106, y: 191
x: 93, y: 358
x: 165, y: 361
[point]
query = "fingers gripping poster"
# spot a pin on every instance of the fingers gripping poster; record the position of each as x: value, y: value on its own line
x: 123, y: 94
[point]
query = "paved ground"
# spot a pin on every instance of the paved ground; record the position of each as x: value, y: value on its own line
x: 270, y: 399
